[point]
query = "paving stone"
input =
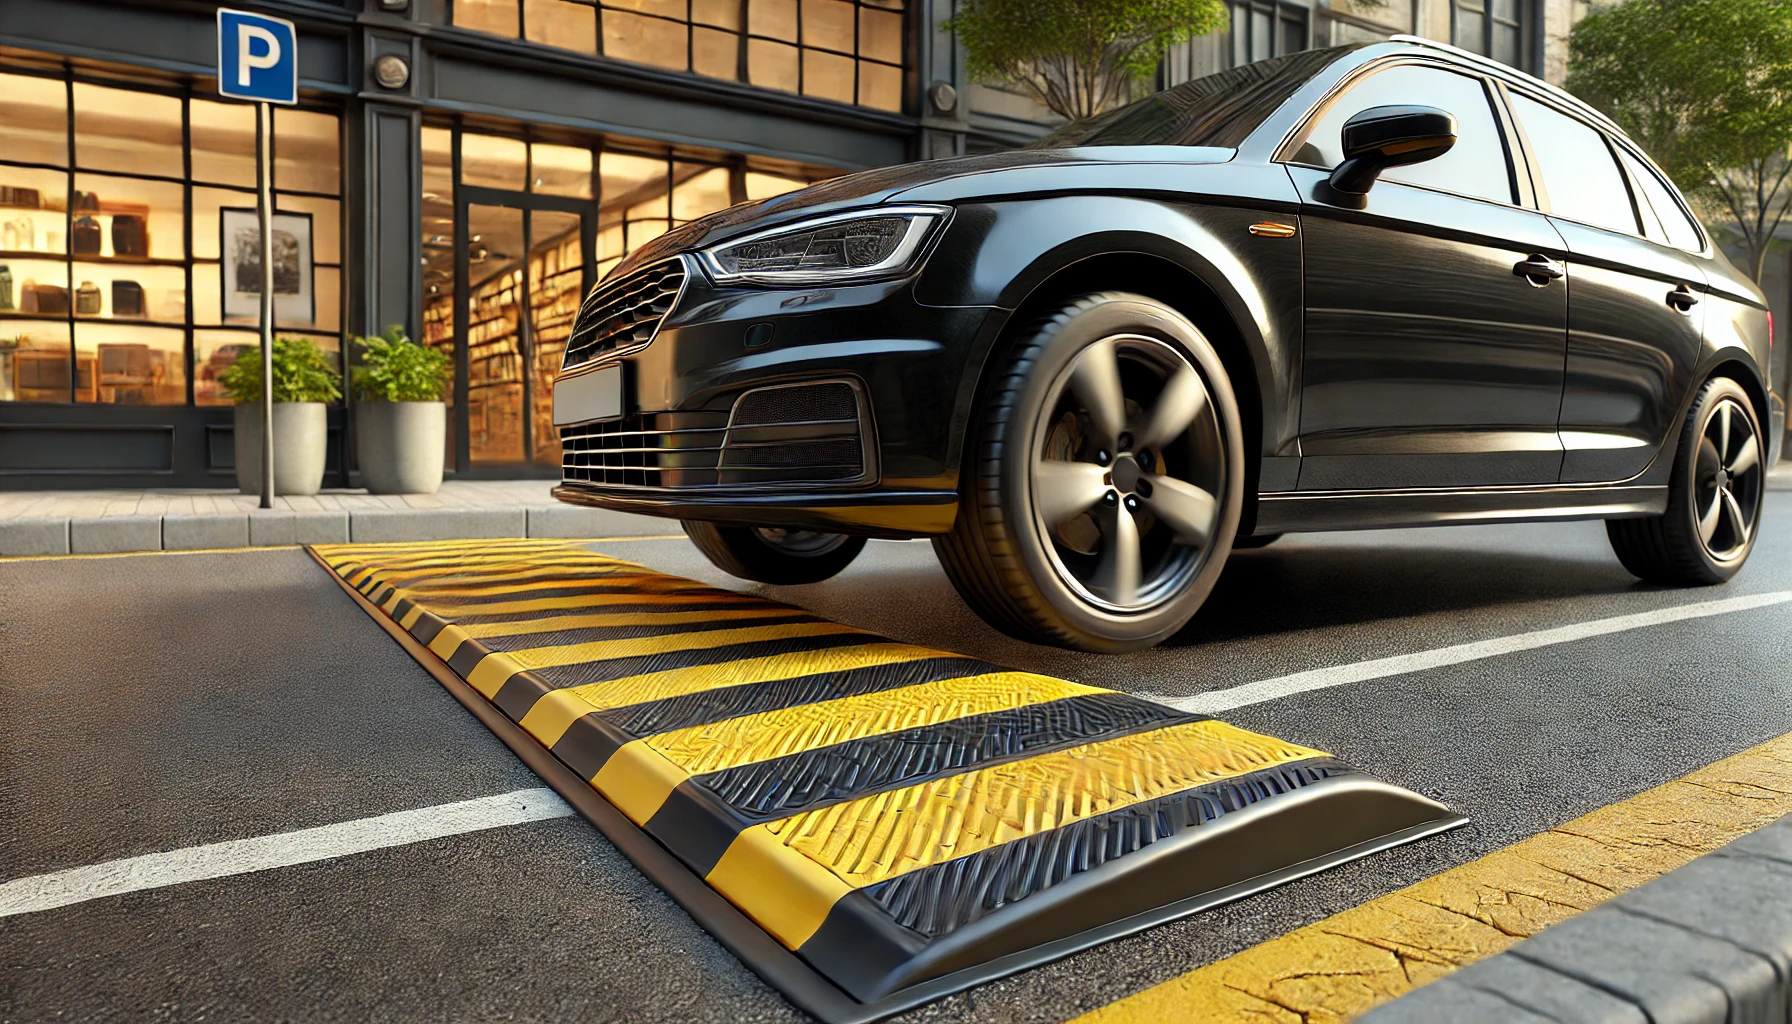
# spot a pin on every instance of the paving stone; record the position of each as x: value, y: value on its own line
x: 1502, y: 989
x: 1746, y: 901
x: 1676, y: 976
x: 114, y: 533
x: 328, y: 526
x: 204, y: 531
x: 375, y: 526
x: 572, y: 521
x: 1773, y: 842
x: 35, y: 536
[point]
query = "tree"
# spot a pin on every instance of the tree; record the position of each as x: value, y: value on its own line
x: 1705, y: 86
x: 1078, y: 57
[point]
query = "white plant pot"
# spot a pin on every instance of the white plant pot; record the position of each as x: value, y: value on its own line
x: 399, y: 445
x: 301, y: 439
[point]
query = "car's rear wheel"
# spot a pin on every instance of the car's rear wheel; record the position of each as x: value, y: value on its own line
x: 1714, y: 496
x: 767, y: 554
x: 1103, y: 484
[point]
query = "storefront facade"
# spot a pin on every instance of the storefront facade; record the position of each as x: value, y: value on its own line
x: 465, y: 169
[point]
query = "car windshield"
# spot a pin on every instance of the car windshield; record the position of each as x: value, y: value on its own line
x: 1218, y: 110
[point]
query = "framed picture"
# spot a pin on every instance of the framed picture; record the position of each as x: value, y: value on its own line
x: 239, y: 243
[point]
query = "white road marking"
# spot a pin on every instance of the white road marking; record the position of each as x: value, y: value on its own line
x: 240, y: 856
x: 1215, y: 701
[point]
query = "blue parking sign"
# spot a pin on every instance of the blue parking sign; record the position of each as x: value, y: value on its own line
x: 258, y: 57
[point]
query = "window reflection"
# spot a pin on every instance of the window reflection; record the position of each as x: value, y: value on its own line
x: 223, y: 142
x: 307, y: 151
x: 561, y: 170
x: 34, y: 120
x: 34, y: 361
x: 438, y: 255
x: 120, y: 365
x: 850, y: 51
x: 492, y: 161
x: 123, y: 130
x: 556, y: 285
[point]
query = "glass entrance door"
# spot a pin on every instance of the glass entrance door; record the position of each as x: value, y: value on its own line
x: 525, y: 264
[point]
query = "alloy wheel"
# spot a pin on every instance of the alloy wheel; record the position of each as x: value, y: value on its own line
x: 1128, y: 463
x: 1727, y: 481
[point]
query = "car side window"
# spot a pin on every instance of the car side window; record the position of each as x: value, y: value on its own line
x: 1678, y: 227
x: 1579, y: 173
x: 1476, y: 166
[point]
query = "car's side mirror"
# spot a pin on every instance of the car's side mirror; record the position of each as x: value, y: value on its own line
x: 1382, y: 137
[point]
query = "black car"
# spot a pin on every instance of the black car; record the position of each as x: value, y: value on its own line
x: 1381, y: 285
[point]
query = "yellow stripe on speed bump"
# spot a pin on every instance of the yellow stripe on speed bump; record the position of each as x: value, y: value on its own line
x: 1353, y: 961
x: 881, y: 836
x: 884, y: 812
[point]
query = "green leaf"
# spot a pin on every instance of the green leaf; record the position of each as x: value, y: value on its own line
x: 1078, y: 57
x: 302, y: 373
x: 396, y: 369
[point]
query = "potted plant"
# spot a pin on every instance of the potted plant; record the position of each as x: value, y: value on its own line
x: 401, y: 422
x: 304, y: 380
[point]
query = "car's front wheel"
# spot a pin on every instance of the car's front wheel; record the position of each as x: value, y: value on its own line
x: 768, y: 554
x: 1103, y: 487
x: 1714, y: 496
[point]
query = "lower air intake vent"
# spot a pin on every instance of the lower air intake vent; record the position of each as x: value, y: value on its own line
x: 777, y: 436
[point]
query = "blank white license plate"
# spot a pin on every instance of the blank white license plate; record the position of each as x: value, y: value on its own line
x: 596, y: 395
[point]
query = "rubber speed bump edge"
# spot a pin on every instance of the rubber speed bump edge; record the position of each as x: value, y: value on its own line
x: 868, y: 824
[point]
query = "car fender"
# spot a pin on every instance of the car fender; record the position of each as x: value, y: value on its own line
x: 998, y: 254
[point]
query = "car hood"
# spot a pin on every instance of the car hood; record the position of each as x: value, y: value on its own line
x: 867, y: 188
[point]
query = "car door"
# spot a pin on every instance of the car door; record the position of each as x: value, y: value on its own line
x: 1427, y: 360
x: 1635, y: 316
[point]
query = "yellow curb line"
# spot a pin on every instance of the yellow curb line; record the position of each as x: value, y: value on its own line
x: 1350, y: 962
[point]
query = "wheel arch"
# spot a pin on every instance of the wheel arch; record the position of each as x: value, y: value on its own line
x: 1181, y: 279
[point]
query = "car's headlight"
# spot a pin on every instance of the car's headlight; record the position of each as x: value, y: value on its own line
x: 880, y: 242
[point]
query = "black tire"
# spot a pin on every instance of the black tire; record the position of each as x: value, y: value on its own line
x: 1718, y: 482
x: 1261, y: 540
x: 1028, y: 578
x: 771, y: 555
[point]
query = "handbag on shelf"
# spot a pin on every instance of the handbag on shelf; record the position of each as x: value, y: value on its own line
x: 87, y: 299
x: 130, y: 235
x: 84, y: 236
x: 127, y: 298
x: 45, y: 298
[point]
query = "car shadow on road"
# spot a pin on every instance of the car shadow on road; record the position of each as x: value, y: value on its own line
x: 1299, y: 587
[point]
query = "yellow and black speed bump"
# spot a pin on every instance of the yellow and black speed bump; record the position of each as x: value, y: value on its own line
x: 895, y: 822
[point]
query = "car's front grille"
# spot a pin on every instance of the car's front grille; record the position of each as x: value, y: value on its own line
x: 624, y: 313
x: 793, y: 434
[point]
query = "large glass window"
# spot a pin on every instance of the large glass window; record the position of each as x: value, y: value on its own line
x: 851, y: 51
x: 1475, y: 166
x: 1579, y: 173
x: 119, y: 213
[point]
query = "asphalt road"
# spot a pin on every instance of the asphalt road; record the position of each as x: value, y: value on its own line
x: 164, y: 701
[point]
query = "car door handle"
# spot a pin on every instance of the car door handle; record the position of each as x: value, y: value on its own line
x: 1539, y: 270
x: 1683, y: 299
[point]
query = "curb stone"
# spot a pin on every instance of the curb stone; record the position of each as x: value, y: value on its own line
x: 1707, y: 943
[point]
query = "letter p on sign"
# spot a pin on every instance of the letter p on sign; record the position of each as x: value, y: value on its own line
x: 257, y: 57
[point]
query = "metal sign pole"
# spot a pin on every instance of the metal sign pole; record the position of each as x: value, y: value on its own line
x: 264, y: 116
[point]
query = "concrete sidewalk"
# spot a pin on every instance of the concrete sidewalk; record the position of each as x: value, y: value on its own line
x: 93, y: 522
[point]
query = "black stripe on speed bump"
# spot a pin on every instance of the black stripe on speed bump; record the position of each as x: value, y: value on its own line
x: 588, y: 634
x: 704, y: 814
x: 520, y: 692
x: 593, y: 738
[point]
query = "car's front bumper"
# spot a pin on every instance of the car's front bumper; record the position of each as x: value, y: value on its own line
x: 678, y: 450
x: 877, y: 512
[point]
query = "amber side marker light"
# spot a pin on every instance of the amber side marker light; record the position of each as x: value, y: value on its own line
x: 1270, y: 229
x: 868, y: 824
